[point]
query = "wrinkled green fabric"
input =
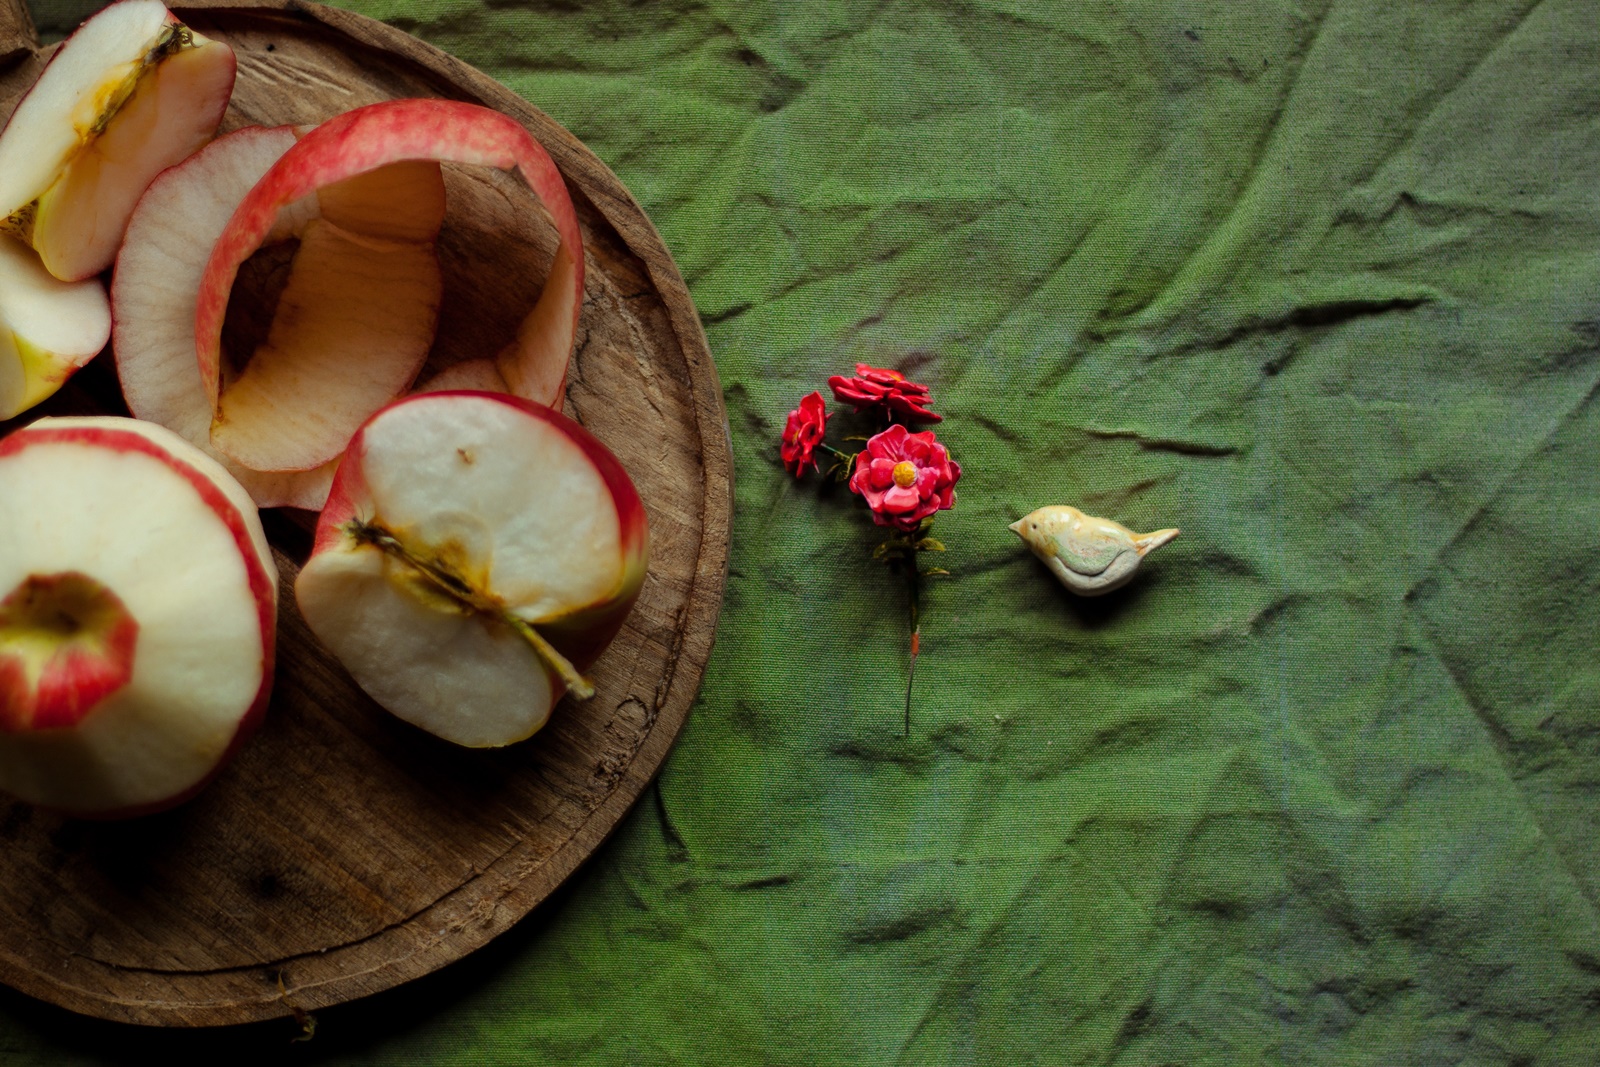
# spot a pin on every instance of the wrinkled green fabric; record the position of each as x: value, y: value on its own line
x: 1318, y: 283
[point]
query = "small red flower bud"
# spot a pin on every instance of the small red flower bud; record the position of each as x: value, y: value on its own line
x: 802, y: 433
x: 879, y: 387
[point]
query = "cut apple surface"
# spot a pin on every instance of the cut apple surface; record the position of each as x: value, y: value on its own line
x: 137, y: 614
x: 160, y: 266
x: 48, y: 328
x: 352, y: 329
x: 477, y: 552
x: 132, y: 92
x: 295, y: 406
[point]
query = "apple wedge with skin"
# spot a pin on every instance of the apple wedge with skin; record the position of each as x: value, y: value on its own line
x: 477, y: 552
x: 297, y: 408
x: 129, y: 94
x: 48, y: 328
x: 158, y: 273
x: 138, y: 604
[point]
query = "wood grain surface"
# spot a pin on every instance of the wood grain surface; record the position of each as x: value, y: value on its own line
x: 345, y: 852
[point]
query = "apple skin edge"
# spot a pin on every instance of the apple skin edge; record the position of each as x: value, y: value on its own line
x: 263, y: 587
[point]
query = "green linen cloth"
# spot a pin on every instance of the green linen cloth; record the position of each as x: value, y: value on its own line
x: 1318, y: 283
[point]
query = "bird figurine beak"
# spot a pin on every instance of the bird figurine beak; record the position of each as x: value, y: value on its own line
x: 1089, y: 555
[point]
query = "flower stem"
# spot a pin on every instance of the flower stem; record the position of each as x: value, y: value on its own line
x: 445, y: 580
x: 915, y: 576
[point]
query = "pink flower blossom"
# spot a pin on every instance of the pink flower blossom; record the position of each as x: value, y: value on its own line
x: 905, y: 477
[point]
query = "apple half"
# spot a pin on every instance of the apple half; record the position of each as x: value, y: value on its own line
x: 359, y: 290
x: 294, y: 407
x: 129, y: 94
x: 48, y: 328
x: 138, y: 601
x: 477, y: 552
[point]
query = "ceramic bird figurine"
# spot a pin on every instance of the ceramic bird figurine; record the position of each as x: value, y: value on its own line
x: 1090, y: 555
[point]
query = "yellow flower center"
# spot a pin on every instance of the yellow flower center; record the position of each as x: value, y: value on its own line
x: 905, y: 474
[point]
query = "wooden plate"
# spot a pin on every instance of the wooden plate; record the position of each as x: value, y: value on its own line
x: 344, y: 852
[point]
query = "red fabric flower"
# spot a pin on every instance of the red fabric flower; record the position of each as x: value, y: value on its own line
x: 803, y: 433
x: 880, y: 387
x: 905, y: 477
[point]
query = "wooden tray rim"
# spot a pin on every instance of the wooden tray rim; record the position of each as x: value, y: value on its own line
x: 516, y: 892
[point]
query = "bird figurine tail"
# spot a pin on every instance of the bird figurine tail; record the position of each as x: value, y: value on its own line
x: 1147, y: 543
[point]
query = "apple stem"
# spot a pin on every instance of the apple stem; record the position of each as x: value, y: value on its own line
x: 174, y: 39
x: 462, y: 591
x: 579, y: 686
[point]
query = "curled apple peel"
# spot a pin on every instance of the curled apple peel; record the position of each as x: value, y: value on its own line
x: 350, y: 231
x: 154, y: 288
x: 297, y: 411
x: 353, y: 323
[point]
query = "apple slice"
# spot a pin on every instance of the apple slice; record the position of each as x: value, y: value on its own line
x: 298, y: 409
x: 48, y: 328
x: 132, y: 92
x: 159, y: 268
x: 477, y: 552
x: 138, y: 600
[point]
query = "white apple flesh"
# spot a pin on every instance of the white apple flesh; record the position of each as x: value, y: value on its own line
x: 138, y: 601
x: 48, y: 328
x: 477, y: 551
x: 132, y: 92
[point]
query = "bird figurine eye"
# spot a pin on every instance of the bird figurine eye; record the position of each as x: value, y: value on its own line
x: 1089, y: 555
